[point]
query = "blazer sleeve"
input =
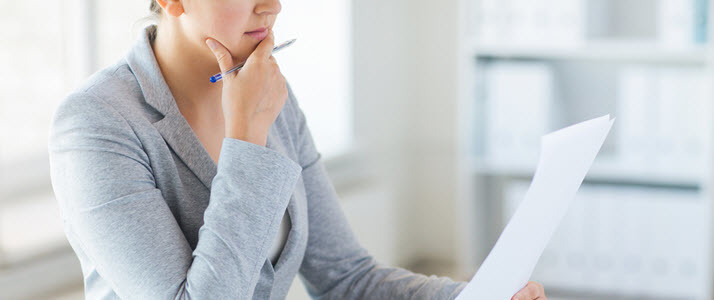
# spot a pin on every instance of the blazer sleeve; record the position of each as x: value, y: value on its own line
x: 335, y: 266
x: 109, y: 201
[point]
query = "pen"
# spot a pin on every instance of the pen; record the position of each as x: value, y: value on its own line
x: 219, y: 76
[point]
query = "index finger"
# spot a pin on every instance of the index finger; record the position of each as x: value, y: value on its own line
x: 265, y: 48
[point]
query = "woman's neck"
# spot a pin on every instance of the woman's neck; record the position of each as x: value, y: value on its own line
x: 186, y: 69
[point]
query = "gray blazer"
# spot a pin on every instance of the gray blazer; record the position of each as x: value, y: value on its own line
x: 151, y: 216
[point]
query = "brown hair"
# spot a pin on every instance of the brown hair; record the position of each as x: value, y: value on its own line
x: 155, y: 8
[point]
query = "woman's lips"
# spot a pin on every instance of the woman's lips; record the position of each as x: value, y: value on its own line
x: 258, y: 34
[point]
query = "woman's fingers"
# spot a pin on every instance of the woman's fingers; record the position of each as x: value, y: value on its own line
x: 531, y: 291
x: 255, y: 96
x: 223, y: 56
x: 265, y: 47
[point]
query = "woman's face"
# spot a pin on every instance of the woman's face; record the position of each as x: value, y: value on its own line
x: 227, y: 21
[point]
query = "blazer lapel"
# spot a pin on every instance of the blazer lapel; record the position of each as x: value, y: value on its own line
x: 173, y: 127
x: 184, y: 142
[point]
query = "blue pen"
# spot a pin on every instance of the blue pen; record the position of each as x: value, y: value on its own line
x: 219, y: 76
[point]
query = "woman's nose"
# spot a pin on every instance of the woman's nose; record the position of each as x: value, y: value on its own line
x: 271, y: 7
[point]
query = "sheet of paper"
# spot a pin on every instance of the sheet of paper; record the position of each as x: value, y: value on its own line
x: 565, y: 157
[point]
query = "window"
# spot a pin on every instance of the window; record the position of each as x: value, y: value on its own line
x: 37, y: 56
x: 318, y: 67
x: 33, y: 76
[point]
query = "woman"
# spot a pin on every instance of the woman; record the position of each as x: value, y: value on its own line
x: 174, y: 187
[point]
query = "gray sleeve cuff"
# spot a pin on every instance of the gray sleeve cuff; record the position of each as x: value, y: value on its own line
x: 242, y: 154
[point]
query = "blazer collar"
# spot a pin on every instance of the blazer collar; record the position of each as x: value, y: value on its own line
x: 173, y: 126
x: 142, y: 62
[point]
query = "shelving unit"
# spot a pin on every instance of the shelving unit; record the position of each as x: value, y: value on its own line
x: 603, y: 171
x: 625, y: 59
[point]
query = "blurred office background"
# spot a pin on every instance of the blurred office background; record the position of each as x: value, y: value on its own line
x: 428, y: 114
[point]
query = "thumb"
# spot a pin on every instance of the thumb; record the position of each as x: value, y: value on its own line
x: 223, y: 56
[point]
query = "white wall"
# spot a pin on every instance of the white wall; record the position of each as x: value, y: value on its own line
x: 406, y: 81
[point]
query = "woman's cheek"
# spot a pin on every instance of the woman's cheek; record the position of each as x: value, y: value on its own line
x: 231, y: 27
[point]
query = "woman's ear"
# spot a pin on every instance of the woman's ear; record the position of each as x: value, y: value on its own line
x: 172, y: 7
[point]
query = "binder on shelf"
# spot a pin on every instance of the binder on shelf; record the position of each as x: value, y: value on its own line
x: 518, y: 110
x: 570, y: 23
x: 664, y: 119
x: 627, y: 241
x: 546, y: 23
x: 682, y: 23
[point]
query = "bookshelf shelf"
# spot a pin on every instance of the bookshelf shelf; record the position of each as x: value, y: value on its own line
x: 598, y: 51
x: 606, y: 170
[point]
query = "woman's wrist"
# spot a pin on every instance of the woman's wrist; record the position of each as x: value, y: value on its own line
x: 242, y: 132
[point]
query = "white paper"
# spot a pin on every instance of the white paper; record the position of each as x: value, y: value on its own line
x: 566, y: 156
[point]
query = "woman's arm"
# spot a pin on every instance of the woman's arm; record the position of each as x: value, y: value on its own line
x: 119, y: 219
x: 335, y: 265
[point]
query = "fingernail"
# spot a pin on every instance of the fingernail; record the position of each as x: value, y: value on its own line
x: 211, y: 44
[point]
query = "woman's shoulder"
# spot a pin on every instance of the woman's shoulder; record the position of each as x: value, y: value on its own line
x: 101, y: 102
x: 296, y: 128
x: 112, y: 82
x: 292, y: 113
x: 113, y: 88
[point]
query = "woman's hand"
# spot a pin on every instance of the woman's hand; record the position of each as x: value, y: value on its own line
x: 253, y: 97
x: 531, y: 291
